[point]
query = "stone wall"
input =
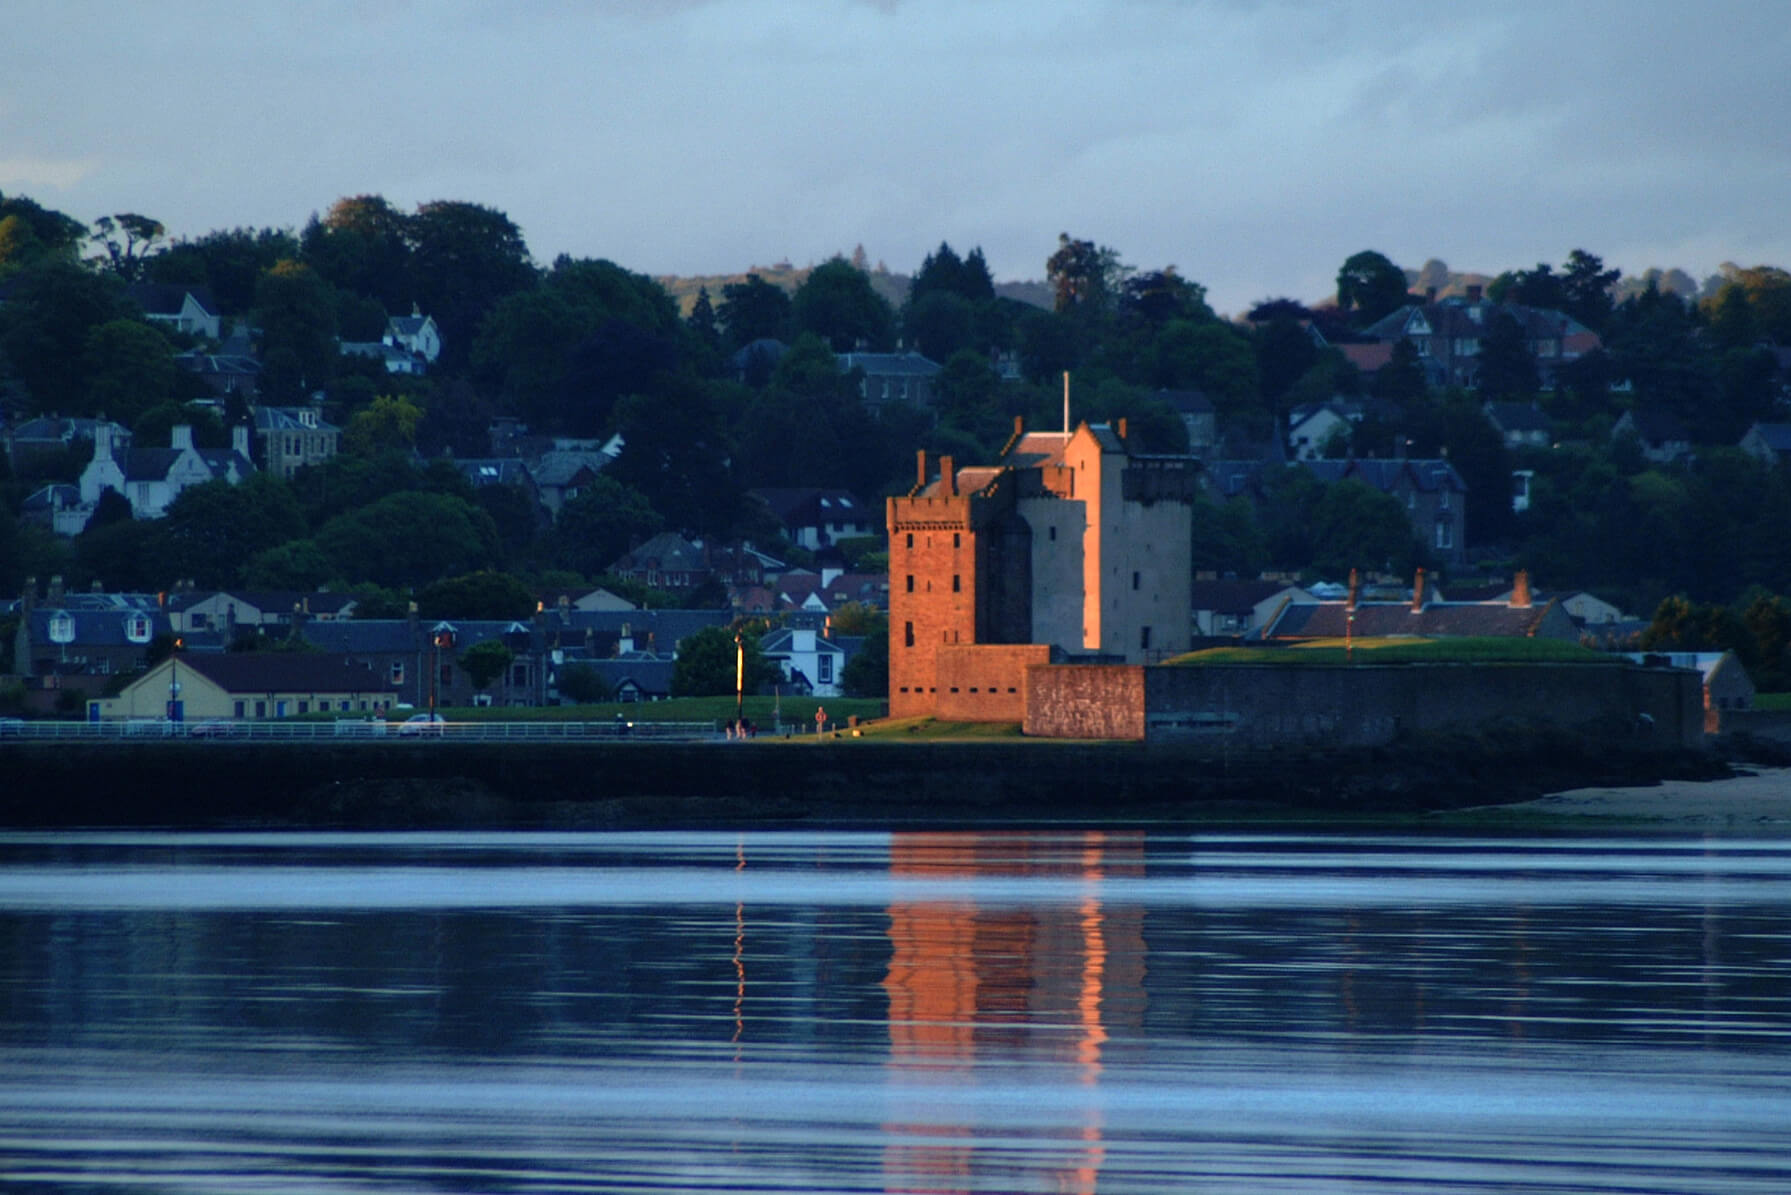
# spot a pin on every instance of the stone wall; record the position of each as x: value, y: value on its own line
x: 986, y: 682
x: 1358, y: 705
x: 1071, y: 701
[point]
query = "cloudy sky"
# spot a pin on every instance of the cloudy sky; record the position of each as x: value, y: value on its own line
x: 1253, y: 144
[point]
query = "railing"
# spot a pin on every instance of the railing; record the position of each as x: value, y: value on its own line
x: 364, y: 730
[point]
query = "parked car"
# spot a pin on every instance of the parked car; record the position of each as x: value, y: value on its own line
x: 422, y: 724
x: 12, y: 726
x: 216, y: 729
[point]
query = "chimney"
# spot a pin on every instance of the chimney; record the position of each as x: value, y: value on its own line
x: 54, y: 596
x: 1520, y: 590
x: 1122, y: 427
x: 1418, y: 593
x: 181, y: 438
x: 239, y: 439
x: 1019, y: 426
x: 948, y: 477
x: 923, y: 474
x: 1355, y: 581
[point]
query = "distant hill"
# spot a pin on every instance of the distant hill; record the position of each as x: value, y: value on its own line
x: 893, y: 287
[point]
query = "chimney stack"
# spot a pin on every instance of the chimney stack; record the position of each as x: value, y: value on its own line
x: 1520, y: 590
x: 1418, y: 592
x: 923, y: 474
x: 948, y: 477
x: 1355, y: 581
x: 1122, y: 427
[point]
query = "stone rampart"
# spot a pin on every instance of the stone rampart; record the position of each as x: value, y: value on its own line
x: 1359, y: 705
x: 985, y: 682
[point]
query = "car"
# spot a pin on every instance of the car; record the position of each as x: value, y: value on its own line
x: 422, y: 724
x: 214, y: 730
x: 13, y: 726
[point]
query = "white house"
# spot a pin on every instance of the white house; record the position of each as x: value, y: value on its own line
x: 415, y: 333
x: 151, y: 478
x: 806, y: 659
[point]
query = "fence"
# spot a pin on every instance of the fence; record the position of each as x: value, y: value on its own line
x: 370, y: 730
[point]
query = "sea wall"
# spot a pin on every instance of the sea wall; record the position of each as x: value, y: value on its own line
x: 835, y: 782
x: 1360, y: 705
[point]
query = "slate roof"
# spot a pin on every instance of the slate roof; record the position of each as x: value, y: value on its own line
x: 493, y: 471
x: 782, y: 640
x: 269, y: 600
x: 1234, y: 596
x: 1517, y: 417
x: 1385, y: 475
x: 909, y: 364
x: 651, y: 674
x: 1375, y: 620
x: 558, y: 467
x: 95, y: 627
x: 809, y: 505
x: 288, y: 672
x: 1656, y: 427
x: 168, y: 298
x: 287, y: 419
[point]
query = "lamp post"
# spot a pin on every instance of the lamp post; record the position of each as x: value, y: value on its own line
x: 739, y: 681
x: 174, y: 710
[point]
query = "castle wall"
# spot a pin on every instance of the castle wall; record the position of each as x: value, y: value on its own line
x: 1363, y: 705
x: 987, y: 682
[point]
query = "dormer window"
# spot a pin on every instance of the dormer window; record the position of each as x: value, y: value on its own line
x: 137, y: 629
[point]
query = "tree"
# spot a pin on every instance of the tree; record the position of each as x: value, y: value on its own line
x: 1354, y: 525
x: 837, y: 303
x: 31, y: 233
x: 297, y: 316
x: 866, y: 673
x: 1158, y: 296
x: 677, y: 452
x: 409, y: 539
x: 600, y: 525
x: 363, y: 246
x: 1369, y: 286
x: 1586, y: 288
x: 486, y: 661
x: 389, y: 424
x: 486, y: 594
x: 51, y: 309
x: 297, y: 564
x: 1507, y: 368
x: 464, y: 259
x: 228, y: 262
x: 1085, y: 278
x: 130, y: 369
x: 706, y: 661
x: 125, y: 240
x: 212, y: 530
x: 584, y: 685
x: 753, y: 310
x: 1402, y: 378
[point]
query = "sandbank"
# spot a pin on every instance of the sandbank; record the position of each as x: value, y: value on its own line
x: 1757, y: 800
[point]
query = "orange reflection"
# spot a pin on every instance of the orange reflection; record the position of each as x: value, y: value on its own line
x: 1047, y: 980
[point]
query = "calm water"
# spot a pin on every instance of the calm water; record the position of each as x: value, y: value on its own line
x: 965, y: 1012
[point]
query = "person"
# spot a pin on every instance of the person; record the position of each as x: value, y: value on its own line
x: 820, y: 718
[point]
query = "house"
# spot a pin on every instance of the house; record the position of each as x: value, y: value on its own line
x: 1422, y: 617
x: 1727, y: 686
x: 1521, y: 424
x: 811, y: 663
x: 415, y: 334
x: 56, y: 508
x: 293, y: 438
x: 754, y: 362
x: 1432, y: 492
x: 826, y: 591
x: 237, y: 686
x: 1195, y: 410
x: 225, y: 372
x: 1768, y: 442
x: 1233, y: 608
x: 562, y: 474
x: 1073, y: 544
x: 49, y: 435
x: 82, y: 640
x: 1661, y: 435
x: 1447, y: 336
x: 637, y: 677
x: 892, y: 377
x: 1311, y: 427
x: 227, y: 611
x: 151, y: 478
x: 186, y: 309
x: 818, y: 518
x: 394, y: 359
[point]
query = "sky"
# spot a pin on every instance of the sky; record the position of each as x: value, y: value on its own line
x: 1252, y: 144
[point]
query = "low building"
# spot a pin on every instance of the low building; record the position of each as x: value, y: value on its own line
x: 249, y: 685
x: 809, y: 662
x: 892, y: 377
x: 151, y: 478
x: 1233, y: 608
x: 294, y: 438
x: 815, y: 518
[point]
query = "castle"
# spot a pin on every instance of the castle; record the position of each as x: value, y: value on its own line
x: 1072, y: 547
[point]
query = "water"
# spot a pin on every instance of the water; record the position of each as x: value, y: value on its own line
x: 866, y: 1012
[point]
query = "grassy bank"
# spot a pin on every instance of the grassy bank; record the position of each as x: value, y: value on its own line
x: 1332, y: 652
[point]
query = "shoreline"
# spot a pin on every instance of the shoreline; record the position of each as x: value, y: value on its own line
x: 1753, y: 800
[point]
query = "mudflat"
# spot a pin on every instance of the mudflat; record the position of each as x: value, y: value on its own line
x: 1756, y: 800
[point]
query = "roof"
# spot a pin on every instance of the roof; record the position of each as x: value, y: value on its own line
x: 504, y: 470
x: 96, y: 627
x: 169, y: 298
x: 1776, y: 436
x: 1368, y: 358
x: 289, y: 419
x: 1379, y: 620
x: 1234, y: 596
x: 909, y: 364
x: 666, y: 552
x: 806, y: 506
x: 1517, y: 417
x: 283, y: 600
x: 559, y: 467
x: 1655, y: 426
x: 783, y: 640
x: 287, y: 672
x: 1386, y: 475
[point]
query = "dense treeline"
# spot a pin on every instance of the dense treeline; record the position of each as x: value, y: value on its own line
x: 589, y: 348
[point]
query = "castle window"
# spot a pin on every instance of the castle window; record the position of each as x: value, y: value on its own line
x: 1134, y: 580
x: 1144, y: 638
x: 957, y: 583
x: 907, y: 634
x: 910, y: 582
x: 1053, y: 533
x: 911, y: 539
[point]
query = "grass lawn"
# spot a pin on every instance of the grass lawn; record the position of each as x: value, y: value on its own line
x: 1777, y: 702
x: 1331, y: 652
x: 761, y: 711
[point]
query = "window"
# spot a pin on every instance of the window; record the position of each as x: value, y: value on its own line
x: 911, y: 539
x: 304, y: 707
x: 447, y: 677
x: 824, y: 668
x: 238, y: 711
x: 1053, y: 533
x: 1445, y: 534
x: 957, y: 540
x: 397, y: 672
x: 957, y: 583
x: 1134, y: 581
x: 1144, y: 638
x: 1443, y: 503
x: 261, y: 709
x: 907, y: 634
x: 519, y: 675
x: 910, y: 582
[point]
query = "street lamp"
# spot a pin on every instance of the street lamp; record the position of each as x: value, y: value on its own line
x: 739, y: 682
x: 174, y: 710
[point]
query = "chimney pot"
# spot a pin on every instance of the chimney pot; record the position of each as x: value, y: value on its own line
x: 1520, y: 590
x: 1418, y: 592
